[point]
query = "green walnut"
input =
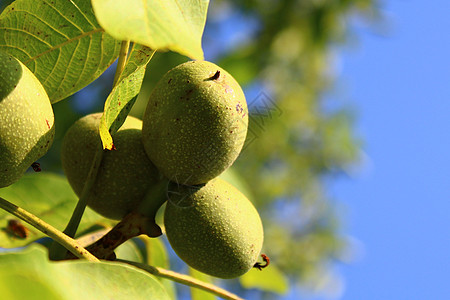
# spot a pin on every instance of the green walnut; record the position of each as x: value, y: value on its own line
x: 26, y: 119
x: 195, y: 123
x: 125, y: 174
x: 214, y: 228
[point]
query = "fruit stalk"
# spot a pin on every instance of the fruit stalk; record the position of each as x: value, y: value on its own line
x: 134, y: 224
x: 122, y: 61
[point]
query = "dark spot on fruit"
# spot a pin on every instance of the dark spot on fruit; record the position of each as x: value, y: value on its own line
x: 239, y: 108
x: 48, y: 124
x: 189, y: 91
x: 215, y: 76
x: 188, y: 81
x: 169, y: 80
x: 36, y: 167
x: 120, y: 103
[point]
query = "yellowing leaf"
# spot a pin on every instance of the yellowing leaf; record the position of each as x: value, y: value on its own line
x: 124, y: 94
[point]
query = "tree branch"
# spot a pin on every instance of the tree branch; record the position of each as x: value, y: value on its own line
x: 67, y: 242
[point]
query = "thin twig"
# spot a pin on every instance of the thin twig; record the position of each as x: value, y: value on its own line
x: 184, y: 279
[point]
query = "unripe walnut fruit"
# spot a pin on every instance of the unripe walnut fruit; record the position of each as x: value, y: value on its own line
x: 214, y: 228
x: 26, y: 119
x: 125, y: 174
x: 195, y: 122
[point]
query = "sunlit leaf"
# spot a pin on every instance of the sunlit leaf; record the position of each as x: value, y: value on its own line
x: 175, y: 25
x: 50, y: 197
x: 30, y: 275
x: 124, y: 94
x: 59, y: 41
x: 270, y: 279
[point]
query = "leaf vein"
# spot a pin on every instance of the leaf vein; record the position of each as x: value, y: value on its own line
x: 43, y: 22
x: 65, y: 17
x: 59, y: 46
x: 14, y: 47
x: 88, y: 50
x: 28, y: 33
x: 53, y: 68
x: 84, y: 15
x: 68, y: 66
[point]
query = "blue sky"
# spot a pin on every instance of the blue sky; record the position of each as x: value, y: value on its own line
x: 398, y: 207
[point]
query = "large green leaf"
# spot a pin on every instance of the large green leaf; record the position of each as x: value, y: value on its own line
x: 270, y: 279
x: 124, y: 94
x: 59, y: 41
x: 50, y: 197
x: 175, y: 25
x: 30, y: 275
